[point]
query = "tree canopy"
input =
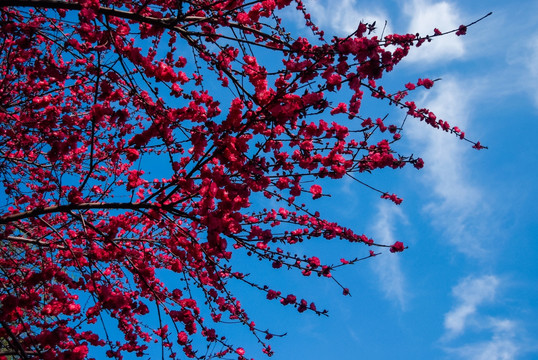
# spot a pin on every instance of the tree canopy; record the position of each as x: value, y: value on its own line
x: 241, y: 122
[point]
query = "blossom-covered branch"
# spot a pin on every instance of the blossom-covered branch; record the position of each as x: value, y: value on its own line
x: 144, y: 139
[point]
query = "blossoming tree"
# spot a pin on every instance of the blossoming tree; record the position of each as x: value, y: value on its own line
x: 231, y: 109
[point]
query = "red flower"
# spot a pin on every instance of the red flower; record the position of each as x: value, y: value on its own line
x: 462, y: 30
x: 397, y: 247
x: 427, y: 83
x: 182, y: 338
x: 132, y: 154
x: 316, y: 191
x: 341, y: 108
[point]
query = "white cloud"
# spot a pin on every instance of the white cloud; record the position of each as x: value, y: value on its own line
x: 532, y: 66
x: 456, y: 204
x: 503, y: 344
x: 470, y: 293
x: 343, y: 17
x: 518, y: 68
x: 426, y: 16
x: 387, y: 266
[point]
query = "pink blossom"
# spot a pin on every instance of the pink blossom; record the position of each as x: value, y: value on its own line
x: 316, y: 191
x: 398, y: 246
x: 462, y: 30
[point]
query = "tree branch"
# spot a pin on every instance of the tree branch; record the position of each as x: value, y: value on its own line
x: 170, y: 23
x: 86, y: 206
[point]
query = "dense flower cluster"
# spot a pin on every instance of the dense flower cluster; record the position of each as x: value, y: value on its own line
x: 228, y: 108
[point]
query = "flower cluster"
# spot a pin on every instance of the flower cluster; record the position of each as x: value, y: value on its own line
x: 120, y: 167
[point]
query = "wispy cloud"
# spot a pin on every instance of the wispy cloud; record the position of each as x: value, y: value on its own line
x: 387, y: 267
x: 424, y: 17
x: 469, y: 293
x: 343, y: 17
x: 503, y: 344
x: 456, y: 203
x: 532, y: 66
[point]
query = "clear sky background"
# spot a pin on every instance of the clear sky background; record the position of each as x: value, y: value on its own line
x: 467, y: 287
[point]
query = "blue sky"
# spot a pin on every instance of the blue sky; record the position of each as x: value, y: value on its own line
x: 467, y: 287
